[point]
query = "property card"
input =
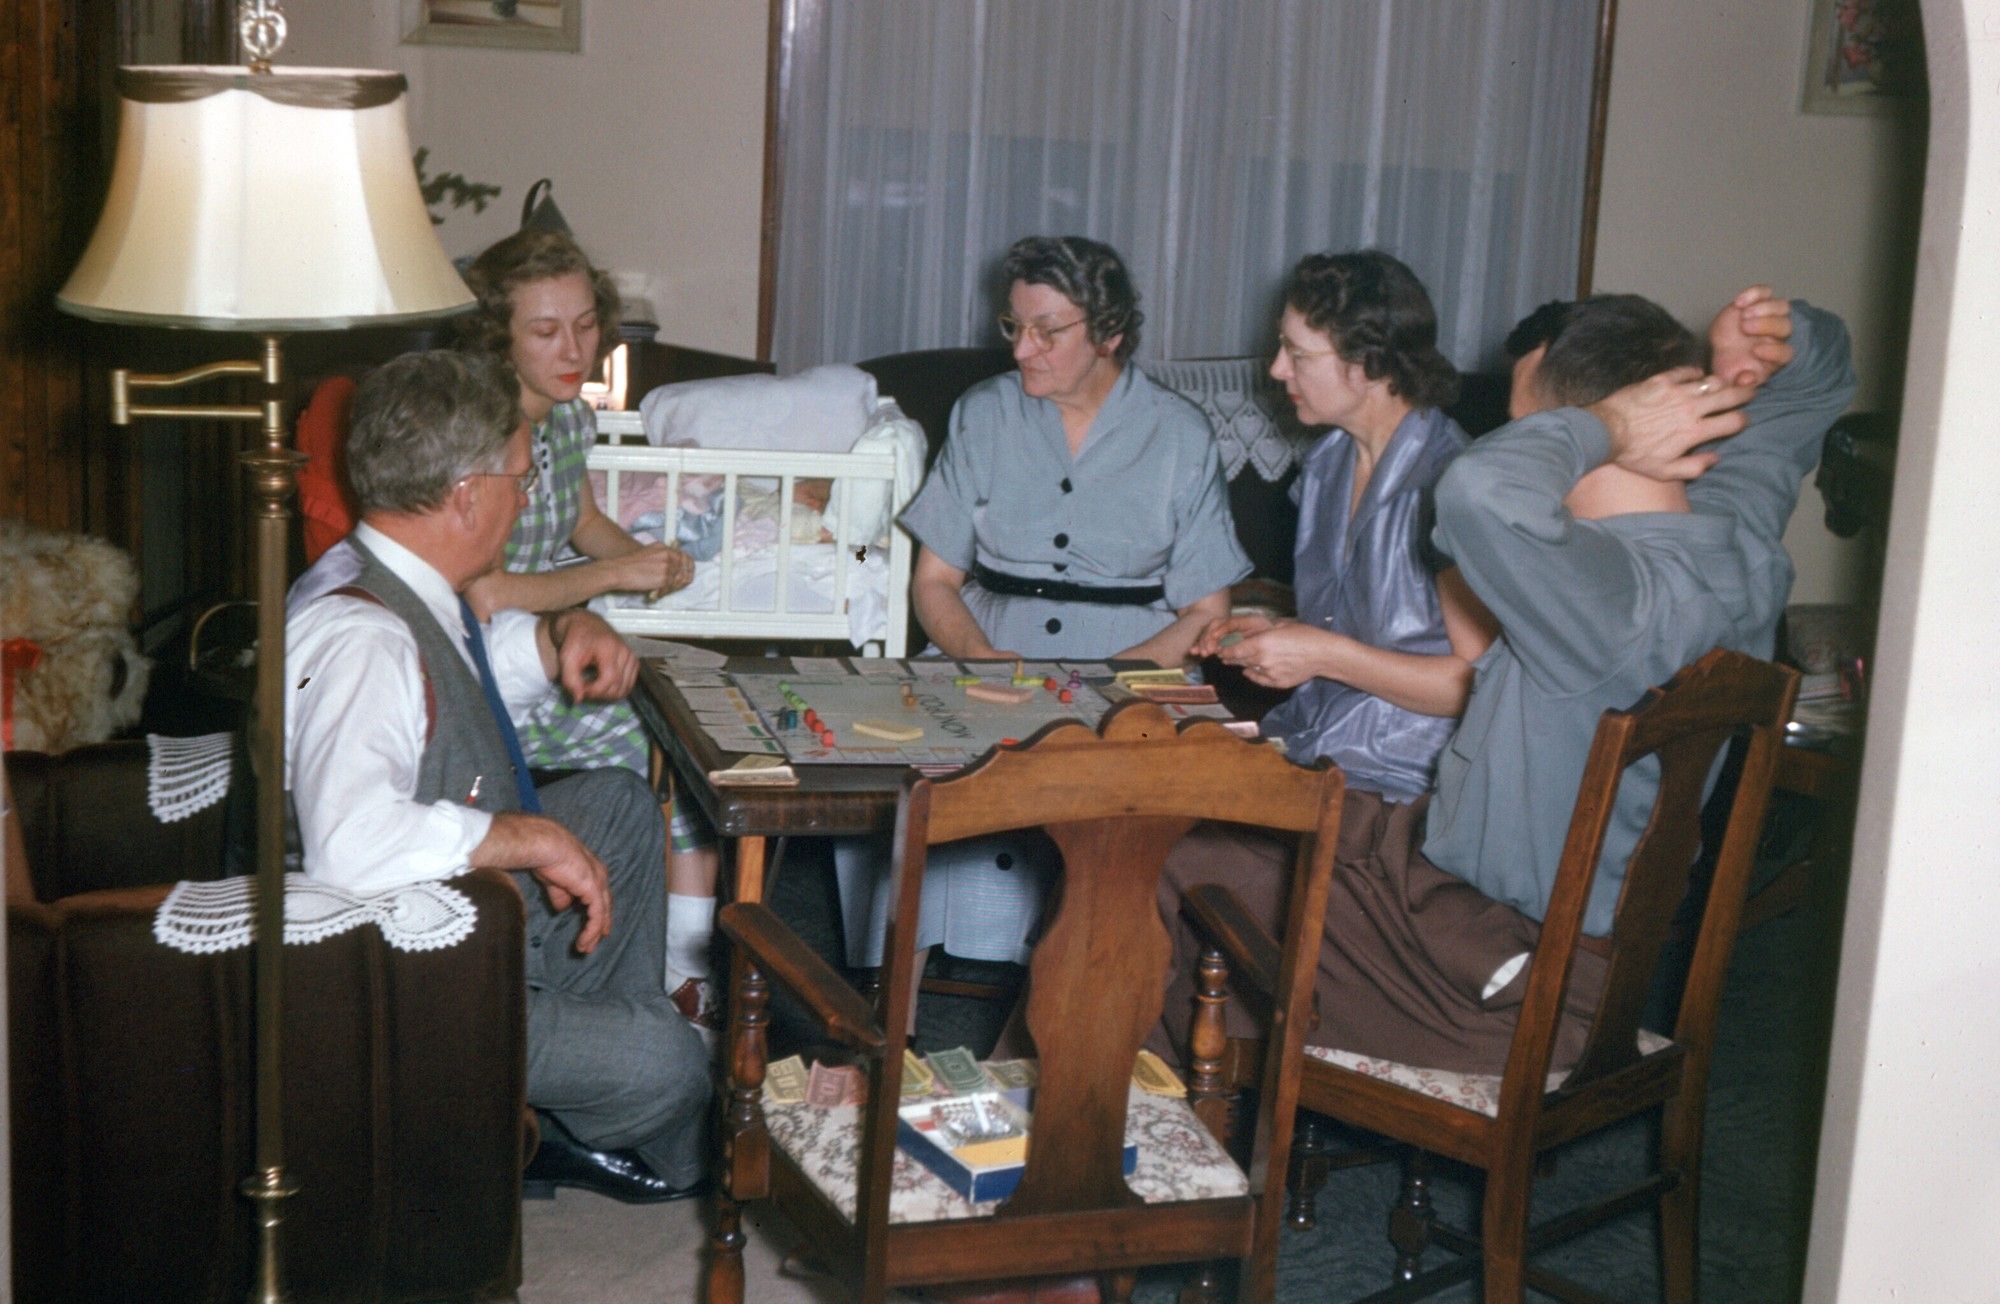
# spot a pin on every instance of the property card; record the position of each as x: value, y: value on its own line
x: 834, y: 666
x: 733, y: 740
x: 878, y: 668
x: 720, y: 697
x: 682, y: 656
x: 695, y: 679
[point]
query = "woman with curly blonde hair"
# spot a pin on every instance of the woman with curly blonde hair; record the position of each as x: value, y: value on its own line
x: 548, y: 313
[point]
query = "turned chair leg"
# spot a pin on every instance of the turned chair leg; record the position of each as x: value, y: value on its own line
x: 1503, y: 1239
x: 1208, y: 1042
x: 1680, y: 1204
x: 1411, y: 1217
x: 724, y: 1284
x: 742, y: 1125
x: 1307, y: 1168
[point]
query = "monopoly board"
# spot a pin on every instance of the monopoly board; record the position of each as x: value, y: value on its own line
x: 943, y: 707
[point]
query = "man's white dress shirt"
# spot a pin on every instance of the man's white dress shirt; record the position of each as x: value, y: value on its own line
x: 355, y: 721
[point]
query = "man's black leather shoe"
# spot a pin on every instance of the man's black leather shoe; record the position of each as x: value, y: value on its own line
x: 562, y: 1160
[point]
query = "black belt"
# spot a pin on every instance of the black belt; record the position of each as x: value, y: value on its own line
x: 1106, y: 595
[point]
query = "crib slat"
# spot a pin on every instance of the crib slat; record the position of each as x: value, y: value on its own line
x: 781, y: 590
x: 843, y: 544
x: 726, y: 598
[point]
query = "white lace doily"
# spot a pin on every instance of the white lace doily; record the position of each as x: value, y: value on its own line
x: 185, y: 775
x: 1252, y: 421
x: 203, y: 918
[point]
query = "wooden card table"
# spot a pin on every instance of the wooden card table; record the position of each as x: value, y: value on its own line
x: 829, y: 800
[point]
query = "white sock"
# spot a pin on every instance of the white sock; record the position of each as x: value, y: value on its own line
x: 690, y: 924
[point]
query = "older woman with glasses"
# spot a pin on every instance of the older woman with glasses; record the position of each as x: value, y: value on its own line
x: 1077, y: 511
x: 1379, y: 660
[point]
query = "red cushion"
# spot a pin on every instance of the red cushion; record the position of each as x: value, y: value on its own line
x: 325, y: 501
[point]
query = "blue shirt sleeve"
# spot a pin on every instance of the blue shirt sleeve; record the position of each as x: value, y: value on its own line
x: 943, y: 515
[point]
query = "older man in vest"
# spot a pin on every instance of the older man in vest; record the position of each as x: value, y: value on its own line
x: 404, y: 767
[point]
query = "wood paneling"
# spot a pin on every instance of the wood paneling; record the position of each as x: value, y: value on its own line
x: 62, y: 464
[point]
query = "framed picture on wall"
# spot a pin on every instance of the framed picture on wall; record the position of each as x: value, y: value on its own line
x: 503, y: 24
x: 1864, y: 56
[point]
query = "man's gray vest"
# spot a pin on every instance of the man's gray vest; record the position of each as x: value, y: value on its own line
x: 465, y: 758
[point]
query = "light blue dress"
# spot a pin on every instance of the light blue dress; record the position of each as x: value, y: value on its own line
x: 1359, y: 570
x: 1142, y: 502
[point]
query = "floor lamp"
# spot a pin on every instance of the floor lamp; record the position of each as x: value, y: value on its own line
x: 266, y: 201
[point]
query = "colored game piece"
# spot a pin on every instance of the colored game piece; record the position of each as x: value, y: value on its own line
x: 964, y: 681
x: 1065, y: 696
x: 1075, y: 678
x: 826, y: 738
x: 999, y: 693
x: 909, y: 697
x: 889, y: 730
x: 1051, y: 684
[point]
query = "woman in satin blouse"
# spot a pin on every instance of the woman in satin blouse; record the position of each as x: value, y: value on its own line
x: 1379, y: 659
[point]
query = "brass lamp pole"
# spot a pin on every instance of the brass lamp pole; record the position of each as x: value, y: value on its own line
x: 270, y: 201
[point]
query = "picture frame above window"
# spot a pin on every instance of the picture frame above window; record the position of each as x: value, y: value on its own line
x: 495, y: 24
x: 1864, y: 56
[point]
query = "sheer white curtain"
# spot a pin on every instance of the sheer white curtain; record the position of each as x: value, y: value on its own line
x: 1212, y: 142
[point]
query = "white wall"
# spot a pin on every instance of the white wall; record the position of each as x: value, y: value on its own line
x: 1714, y: 179
x: 653, y: 135
x: 1909, y: 1178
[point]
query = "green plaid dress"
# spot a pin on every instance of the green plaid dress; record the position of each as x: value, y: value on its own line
x: 560, y: 734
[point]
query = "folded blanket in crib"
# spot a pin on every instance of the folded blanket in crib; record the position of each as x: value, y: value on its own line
x: 820, y: 409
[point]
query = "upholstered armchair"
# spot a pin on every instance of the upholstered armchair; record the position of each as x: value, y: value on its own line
x: 130, y: 1064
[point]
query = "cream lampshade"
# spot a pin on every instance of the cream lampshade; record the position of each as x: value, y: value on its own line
x: 262, y: 201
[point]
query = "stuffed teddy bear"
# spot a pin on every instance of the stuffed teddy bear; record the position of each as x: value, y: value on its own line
x: 73, y: 673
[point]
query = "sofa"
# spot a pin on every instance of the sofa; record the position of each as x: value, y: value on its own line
x: 131, y: 1079
x: 1259, y: 437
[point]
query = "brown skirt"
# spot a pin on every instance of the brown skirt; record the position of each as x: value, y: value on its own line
x: 1408, y: 948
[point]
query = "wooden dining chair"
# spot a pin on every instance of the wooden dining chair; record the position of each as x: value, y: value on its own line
x: 1503, y: 1124
x: 1115, y: 801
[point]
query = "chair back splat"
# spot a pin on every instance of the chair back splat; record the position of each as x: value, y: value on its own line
x: 1676, y: 733
x: 1681, y: 730
x: 1115, y: 801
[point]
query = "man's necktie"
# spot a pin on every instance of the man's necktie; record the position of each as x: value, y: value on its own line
x: 524, y: 784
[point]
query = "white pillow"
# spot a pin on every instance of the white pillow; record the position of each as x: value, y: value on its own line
x: 820, y: 410
x: 869, y: 502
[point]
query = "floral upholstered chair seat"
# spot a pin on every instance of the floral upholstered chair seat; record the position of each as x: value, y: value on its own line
x: 1178, y: 1159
